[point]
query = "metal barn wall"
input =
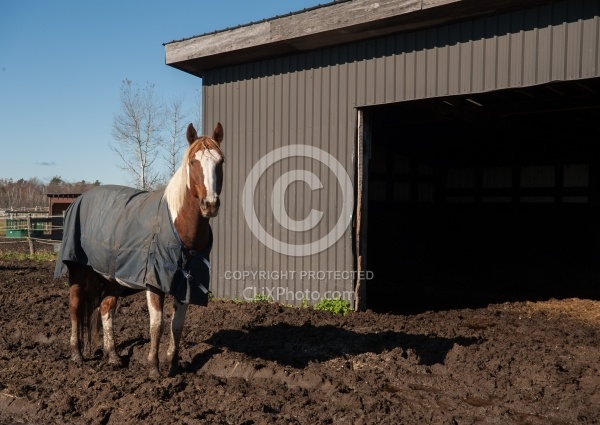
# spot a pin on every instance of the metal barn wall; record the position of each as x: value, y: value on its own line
x: 264, y: 106
x: 311, y: 98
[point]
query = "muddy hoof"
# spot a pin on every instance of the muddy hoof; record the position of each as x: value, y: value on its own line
x: 76, y: 357
x: 115, y: 360
x: 153, y: 373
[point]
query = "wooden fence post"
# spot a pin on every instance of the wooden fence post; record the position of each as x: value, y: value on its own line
x: 29, y: 233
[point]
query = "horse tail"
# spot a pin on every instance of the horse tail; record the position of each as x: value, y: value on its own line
x: 90, y: 324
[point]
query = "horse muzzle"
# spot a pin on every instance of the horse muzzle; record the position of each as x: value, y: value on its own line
x: 208, y: 208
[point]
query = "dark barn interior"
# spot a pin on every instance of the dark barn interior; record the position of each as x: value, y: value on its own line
x: 485, y: 198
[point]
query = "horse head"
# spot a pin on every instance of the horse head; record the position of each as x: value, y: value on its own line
x: 205, y: 169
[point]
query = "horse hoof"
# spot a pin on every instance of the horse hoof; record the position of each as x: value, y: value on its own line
x: 154, y: 374
x: 115, y: 361
x: 76, y: 357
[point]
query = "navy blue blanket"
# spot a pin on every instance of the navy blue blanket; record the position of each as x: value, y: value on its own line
x: 127, y: 234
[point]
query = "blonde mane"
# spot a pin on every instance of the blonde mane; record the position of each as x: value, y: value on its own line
x: 179, y: 183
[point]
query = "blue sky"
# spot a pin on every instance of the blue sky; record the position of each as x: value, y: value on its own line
x: 62, y: 63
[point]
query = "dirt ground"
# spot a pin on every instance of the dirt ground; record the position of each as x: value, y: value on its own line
x: 259, y: 363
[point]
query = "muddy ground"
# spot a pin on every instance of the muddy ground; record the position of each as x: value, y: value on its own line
x: 259, y: 363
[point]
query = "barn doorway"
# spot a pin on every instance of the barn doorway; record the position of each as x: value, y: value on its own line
x: 484, y: 198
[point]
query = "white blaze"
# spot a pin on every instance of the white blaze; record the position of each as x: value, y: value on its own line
x: 209, y: 160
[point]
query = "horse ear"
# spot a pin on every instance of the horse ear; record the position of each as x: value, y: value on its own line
x: 191, y: 134
x: 218, y: 133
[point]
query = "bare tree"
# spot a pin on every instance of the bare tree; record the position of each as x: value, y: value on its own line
x: 33, y: 192
x: 137, y: 132
x: 176, y: 127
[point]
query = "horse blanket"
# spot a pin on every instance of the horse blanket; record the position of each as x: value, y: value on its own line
x: 127, y: 234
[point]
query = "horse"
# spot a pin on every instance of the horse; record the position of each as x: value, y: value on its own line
x: 119, y: 240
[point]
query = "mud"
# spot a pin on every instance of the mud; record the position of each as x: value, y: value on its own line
x: 260, y: 363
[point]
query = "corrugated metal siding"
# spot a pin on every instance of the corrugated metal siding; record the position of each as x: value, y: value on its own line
x: 310, y: 98
x: 264, y: 106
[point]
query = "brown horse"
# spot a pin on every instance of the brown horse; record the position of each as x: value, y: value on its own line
x: 118, y: 240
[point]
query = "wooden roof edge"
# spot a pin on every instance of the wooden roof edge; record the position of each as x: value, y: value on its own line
x: 323, y: 26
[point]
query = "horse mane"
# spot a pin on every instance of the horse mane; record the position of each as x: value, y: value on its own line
x: 179, y: 183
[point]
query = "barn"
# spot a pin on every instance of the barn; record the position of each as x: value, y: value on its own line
x: 406, y: 154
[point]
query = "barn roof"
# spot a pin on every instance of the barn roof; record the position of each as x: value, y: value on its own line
x: 334, y: 23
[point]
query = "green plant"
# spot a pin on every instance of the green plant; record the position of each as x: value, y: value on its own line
x: 335, y: 306
x: 260, y: 298
x: 40, y: 256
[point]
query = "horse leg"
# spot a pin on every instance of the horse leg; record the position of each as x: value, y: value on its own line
x: 177, y: 321
x: 156, y: 301
x: 76, y: 287
x: 83, y: 309
x: 108, y: 307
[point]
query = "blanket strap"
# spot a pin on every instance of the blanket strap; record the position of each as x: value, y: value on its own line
x: 193, y: 256
x: 190, y: 279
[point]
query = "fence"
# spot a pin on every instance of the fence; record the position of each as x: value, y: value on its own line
x: 33, y: 229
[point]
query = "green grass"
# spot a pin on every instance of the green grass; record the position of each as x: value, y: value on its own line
x: 38, y: 256
x: 335, y: 306
x: 260, y: 298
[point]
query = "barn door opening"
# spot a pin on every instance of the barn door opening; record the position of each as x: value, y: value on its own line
x: 484, y: 199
